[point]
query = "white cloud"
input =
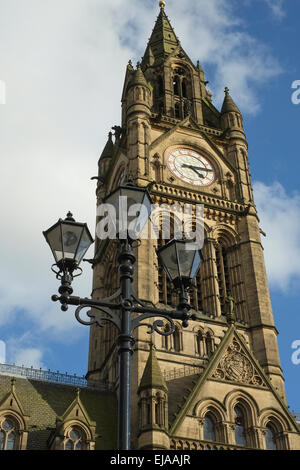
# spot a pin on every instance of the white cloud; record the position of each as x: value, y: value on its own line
x: 63, y: 64
x: 25, y: 351
x: 279, y: 213
x: 220, y: 39
x: 276, y: 7
x: 29, y: 357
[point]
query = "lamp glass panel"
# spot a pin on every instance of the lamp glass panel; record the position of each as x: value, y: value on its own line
x: 123, y: 199
x: 84, y: 245
x: 185, y: 260
x: 71, y: 234
x: 169, y: 260
x: 53, y: 237
x: 196, y: 264
x: 138, y: 216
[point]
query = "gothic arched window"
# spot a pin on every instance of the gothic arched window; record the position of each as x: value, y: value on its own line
x: 270, y: 438
x: 8, y: 434
x: 209, y: 433
x: 208, y: 344
x: 183, y: 88
x: 75, y: 439
x: 240, y: 434
x: 199, y: 342
x: 157, y: 420
x: 223, y: 274
x: 176, y: 85
x: 176, y: 338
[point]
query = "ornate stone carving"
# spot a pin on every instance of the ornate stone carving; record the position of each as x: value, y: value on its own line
x: 235, y: 366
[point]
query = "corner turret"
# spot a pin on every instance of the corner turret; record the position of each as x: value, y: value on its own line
x: 231, y: 117
x: 153, y: 406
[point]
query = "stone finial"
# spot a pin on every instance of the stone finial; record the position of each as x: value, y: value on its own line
x: 13, y: 384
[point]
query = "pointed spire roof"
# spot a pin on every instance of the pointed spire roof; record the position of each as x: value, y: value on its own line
x: 152, y: 376
x: 108, y: 150
x: 163, y: 40
x: 138, y: 77
x: 228, y: 104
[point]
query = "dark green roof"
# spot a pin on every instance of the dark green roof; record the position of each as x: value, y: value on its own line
x: 163, y: 40
x: 228, y: 104
x: 108, y: 150
x: 44, y: 402
x: 152, y: 376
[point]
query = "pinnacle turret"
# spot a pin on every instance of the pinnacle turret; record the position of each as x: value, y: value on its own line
x: 105, y: 158
x: 152, y: 376
x: 229, y: 105
x: 138, y: 77
x: 108, y: 149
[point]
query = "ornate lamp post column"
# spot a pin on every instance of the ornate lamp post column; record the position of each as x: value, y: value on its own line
x: 70, y: 240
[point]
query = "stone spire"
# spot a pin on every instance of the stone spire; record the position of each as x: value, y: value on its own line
x: 163, y: 40
x: 105, y: 158
x: 229, y: 105
x: 108, y: 150
x: 152, y: 376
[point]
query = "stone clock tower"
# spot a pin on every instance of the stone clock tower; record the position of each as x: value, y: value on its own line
x: 218, y: 383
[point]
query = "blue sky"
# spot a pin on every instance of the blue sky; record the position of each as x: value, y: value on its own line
x: 63, y: 64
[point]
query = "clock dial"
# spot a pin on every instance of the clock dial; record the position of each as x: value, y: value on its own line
x: 191, y: 167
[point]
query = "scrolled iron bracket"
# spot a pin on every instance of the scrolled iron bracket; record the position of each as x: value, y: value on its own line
x: 137, y: 322
x: 97, y: 318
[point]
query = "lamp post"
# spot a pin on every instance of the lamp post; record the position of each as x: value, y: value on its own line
x: 70, y: 240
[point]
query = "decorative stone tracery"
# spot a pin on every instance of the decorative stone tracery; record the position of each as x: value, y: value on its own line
x: 236, y: 367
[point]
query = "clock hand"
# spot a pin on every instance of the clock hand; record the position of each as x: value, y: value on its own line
x: 195, y: 169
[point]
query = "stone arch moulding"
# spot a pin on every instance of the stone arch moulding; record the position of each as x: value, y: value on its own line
x: 209, y: 404
x: 228, y: 234
x: 176, y: 62
x: 77, y: 423
x: 269, y: 415
x: 241, y: 397
x: 21, y: 427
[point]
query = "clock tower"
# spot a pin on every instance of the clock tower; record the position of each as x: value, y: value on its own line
x: 218, y: 383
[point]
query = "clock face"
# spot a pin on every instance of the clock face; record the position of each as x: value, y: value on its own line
x: 191, y: 167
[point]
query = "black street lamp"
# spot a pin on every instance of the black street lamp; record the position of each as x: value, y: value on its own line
x: 70, y: 240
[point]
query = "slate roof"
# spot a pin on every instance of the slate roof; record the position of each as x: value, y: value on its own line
x: 178, y: 390
x: 44, y: 402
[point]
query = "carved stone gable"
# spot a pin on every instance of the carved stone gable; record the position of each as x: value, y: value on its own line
x: 236, y: 367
